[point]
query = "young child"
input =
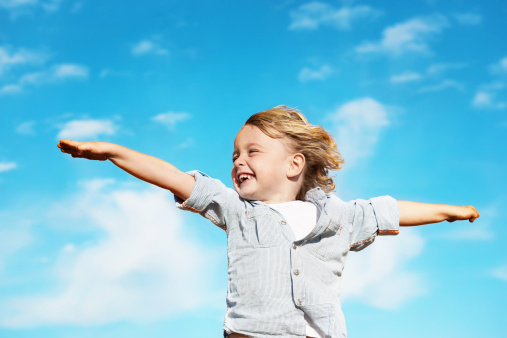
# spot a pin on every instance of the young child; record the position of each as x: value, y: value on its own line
x: 287, y: 234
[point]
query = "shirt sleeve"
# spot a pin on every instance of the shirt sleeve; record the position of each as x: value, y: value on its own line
x: 211, y: 199
x: 369, y: 218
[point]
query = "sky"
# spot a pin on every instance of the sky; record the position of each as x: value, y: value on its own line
x: 415, y: 94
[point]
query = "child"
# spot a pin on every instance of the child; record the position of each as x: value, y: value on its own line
x: 287, y: 234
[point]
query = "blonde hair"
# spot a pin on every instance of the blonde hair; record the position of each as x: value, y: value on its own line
x: 314, y: 142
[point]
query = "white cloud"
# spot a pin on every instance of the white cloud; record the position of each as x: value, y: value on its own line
x: 7, y: 166
x: 70, y: 71
x: 148, y: 47
x: 143, y: 266
x: 314, y: 14
x: 438, y: 68
x: 445, y: 84
x: 380, y: 275
x: 500, y: 273
x: 405, y: 77
x: 474, y: 232
x: 503, y: 63
x: 170, y: 119
x: 16, y: 3
x: 56, y: 74
x: 10, y: 89
x: 486, y: 96
x: 408, y: 36
x: 47, y: 5
x: 499, y: 67
x: 12, y: 239
x: 51, y: 5
x: 189, y: 142
x: 358, y: 125
x: 308, y: 74
x: 9, y: 58
x: 86, y: 129
x: 468, y: 18
x: 106, y: 72
x: 26, y: 128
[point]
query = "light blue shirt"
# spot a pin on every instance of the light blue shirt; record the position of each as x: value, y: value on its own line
x: 273, y: 278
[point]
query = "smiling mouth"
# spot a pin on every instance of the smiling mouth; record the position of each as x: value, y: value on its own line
x: 245, y: 177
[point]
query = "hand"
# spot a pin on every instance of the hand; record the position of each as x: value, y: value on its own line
x: 462, y: 213
x: 89, y: 150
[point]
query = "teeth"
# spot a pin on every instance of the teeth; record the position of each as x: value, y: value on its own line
x: 244, y: 177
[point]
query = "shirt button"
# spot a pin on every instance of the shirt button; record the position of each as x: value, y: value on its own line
x: 283, y: 222
x: 296, y: 272
x: 294, y: 246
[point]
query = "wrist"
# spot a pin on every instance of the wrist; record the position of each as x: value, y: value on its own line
x: 111, y: 151
x: 450, y: 212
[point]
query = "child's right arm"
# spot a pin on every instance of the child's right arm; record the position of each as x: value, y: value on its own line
x: 142, y: 166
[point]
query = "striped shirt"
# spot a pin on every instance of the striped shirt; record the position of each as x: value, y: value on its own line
x: 274, y: 279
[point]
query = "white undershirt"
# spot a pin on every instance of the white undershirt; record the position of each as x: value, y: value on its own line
x: 302, y: 218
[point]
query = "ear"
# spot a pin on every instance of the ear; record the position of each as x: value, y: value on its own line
x: 297, y: 165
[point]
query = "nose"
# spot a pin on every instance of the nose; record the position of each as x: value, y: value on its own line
x: 240, y: 161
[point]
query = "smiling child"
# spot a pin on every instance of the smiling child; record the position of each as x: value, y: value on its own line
x: 288, y: 235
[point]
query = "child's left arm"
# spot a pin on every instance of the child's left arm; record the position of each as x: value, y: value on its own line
x: 415, y: 213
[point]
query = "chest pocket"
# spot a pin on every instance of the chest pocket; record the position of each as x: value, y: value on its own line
x: 332, y: 244
x: 264, y: 229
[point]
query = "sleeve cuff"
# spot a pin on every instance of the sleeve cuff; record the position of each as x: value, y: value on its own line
x: 199, y: 198
x: 387, y: 214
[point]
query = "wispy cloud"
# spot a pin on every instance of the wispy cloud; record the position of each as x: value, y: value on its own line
x: 10, y: 58
x: 133, y: 271
x: 381, y: 276
x: 408, y: 36
x: 500, y: 273
x: 170, y: 119
x: 487, y: 96
x: 64, y: 71
x: 439, y: 68
x: 10, y: 89
x: 146, y: 46
x: 315, y: 74
x: 17, y: 3
x: 445, y: 84
x: 7, y: 166
x: 312, y: 15
x: 471, y: 19
x: 358, y: 125
x: 405, y: 77
x: 487, y: 100
x: 433, y: 73
x: 474, y: 232
x: 86, y: 129
x: 26, y: 128
x: 56, y: 74
x: 500, y: 67
x: 12, y: 239
x: 47, y: 5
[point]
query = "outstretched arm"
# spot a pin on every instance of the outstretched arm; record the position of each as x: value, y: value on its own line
x: 415, y: 213
x: 142, y: 166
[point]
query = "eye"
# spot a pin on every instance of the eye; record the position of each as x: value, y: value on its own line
x: 234, y: 158
x: 253, y: 151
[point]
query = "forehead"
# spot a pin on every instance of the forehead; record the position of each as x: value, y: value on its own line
x: 252, y: 135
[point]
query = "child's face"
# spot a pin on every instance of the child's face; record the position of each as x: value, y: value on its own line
x: 260, y: 166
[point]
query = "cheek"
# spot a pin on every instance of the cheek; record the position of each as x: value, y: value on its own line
x: 233, y: 175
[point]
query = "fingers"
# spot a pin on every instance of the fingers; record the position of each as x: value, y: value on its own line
x: 68, y: 145
x: 475, y: 213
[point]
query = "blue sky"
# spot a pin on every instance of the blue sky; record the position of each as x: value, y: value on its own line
x: 416, y: 96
